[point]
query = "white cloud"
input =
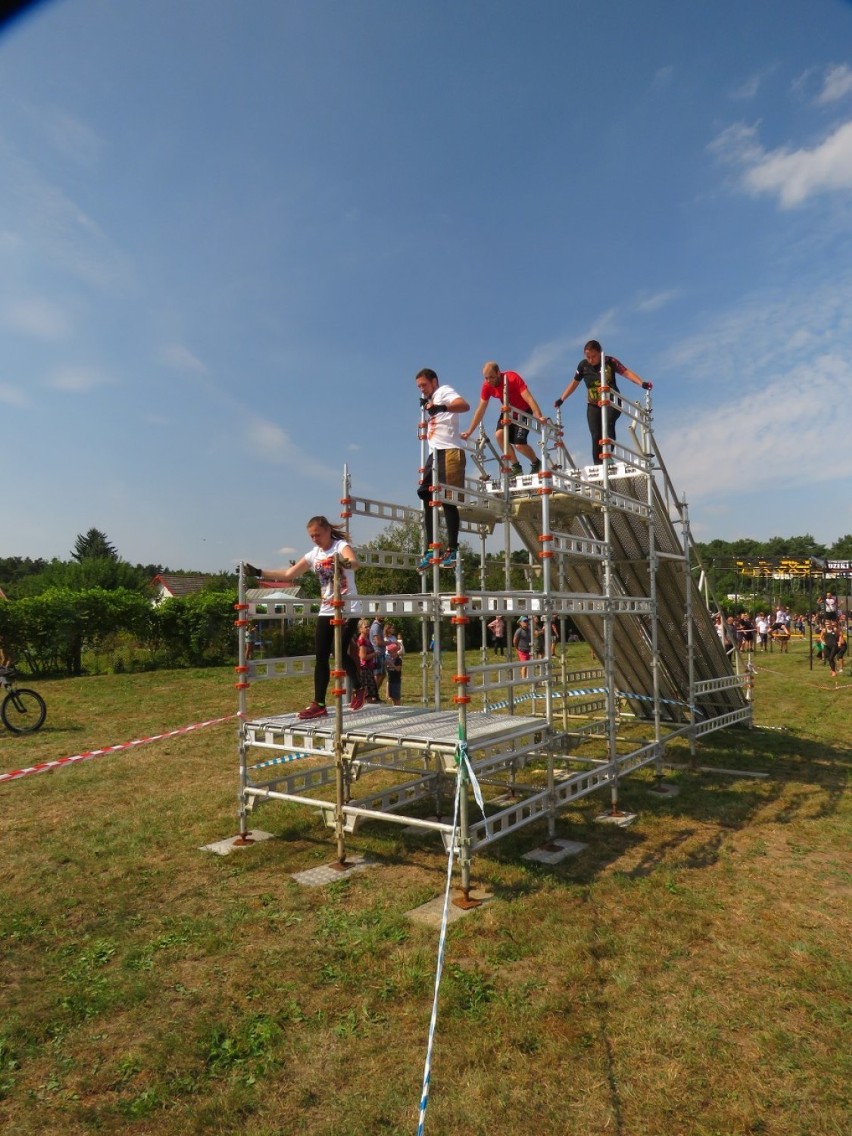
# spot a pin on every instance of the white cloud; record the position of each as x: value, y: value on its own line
x: 555, y: 356
x: 750, y: 87
x: 13, y: 396
x: 790, y: 175
x: 605, y: 325
x: 182, y: 359
x: 76, y: 380
x: 269, y: 442
x: 74, y: 138
x: 43, y: 217
x: 41, y: 319
x: 766, y: 332
x: 654, y: 301
x: 747, y: 89
x: 754, y: 441
x: 836, y: 85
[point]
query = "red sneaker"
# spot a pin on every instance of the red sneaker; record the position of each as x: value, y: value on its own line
x: 313, y: 711
x: 357, y: 699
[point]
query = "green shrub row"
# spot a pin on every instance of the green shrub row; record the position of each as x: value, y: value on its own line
x: 53, y: 632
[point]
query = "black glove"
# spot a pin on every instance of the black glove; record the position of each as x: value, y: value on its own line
x: 647, y: 386
x: 558, y: 402
x: 250, y: 570
x: 436, y: 408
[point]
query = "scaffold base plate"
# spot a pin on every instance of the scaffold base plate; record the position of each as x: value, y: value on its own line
x: 620, y: 820
x: 663, y: 790
x: 331, y: 873
x: 235, y: 844
x: 431, y: 913
x: 555, y: 851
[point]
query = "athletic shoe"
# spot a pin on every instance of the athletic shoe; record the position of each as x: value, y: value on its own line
x: 451, y: 558
x: 313, y: 711
x: 357, y: 699
x: 516, y: 469
x: 535, y: 467
x: 425, y: 561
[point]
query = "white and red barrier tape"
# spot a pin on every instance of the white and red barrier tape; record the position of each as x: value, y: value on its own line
x: 46, y: 766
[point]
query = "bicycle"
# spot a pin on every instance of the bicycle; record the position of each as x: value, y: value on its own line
x: 23, y: 711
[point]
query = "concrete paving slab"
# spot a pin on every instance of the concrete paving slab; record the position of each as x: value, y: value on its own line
x: 663, y: 790
x: 430, y: 914
x: 331, y: 873
x: 233, y: 844
x: 620, y: 820
x: 555, y: 851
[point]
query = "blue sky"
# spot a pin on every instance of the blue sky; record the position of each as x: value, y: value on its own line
x: 231, y: 233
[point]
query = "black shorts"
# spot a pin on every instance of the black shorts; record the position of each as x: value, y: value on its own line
x: 518, y: 434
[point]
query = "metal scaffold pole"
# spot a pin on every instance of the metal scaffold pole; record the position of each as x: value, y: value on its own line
x: 461, y: 698
x: 653, y: 563
x: 690, y: 640
x: 609, y: 609
x: 545, y: 490
x: 242, y: 625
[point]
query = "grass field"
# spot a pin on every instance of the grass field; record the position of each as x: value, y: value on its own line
x: 687, y: 975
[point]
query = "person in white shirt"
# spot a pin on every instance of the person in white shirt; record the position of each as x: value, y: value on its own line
x: 442, y: 405
x: 331, y: 552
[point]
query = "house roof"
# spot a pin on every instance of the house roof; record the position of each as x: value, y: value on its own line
x: 180, y: 585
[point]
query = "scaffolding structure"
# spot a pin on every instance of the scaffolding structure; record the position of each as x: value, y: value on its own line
x: 609, y: 548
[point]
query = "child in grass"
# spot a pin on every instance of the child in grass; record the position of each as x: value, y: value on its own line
x: 394, y: 650
x: 366, y: 661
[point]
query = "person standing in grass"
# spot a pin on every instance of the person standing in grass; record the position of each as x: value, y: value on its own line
x: 840, y: 653
x: 331, y: 547
x: 377, y: 640
x: 828, y: 639
x: 366, y: 661
x: 394, y: 651
x: 522, y: 642
x: 497, y: 627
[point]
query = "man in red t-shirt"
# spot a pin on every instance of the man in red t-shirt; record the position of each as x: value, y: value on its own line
x: 520, y: 397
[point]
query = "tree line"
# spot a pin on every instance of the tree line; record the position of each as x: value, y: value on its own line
x: 94, y: 611
x: 758, y: 590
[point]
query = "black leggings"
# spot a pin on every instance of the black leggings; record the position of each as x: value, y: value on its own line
x: 451, y: 513
x: 324, y: 641
x: 594, y: 417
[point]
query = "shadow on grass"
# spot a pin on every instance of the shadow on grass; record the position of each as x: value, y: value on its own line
x: 710, y: 805
x: 687, y: 830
